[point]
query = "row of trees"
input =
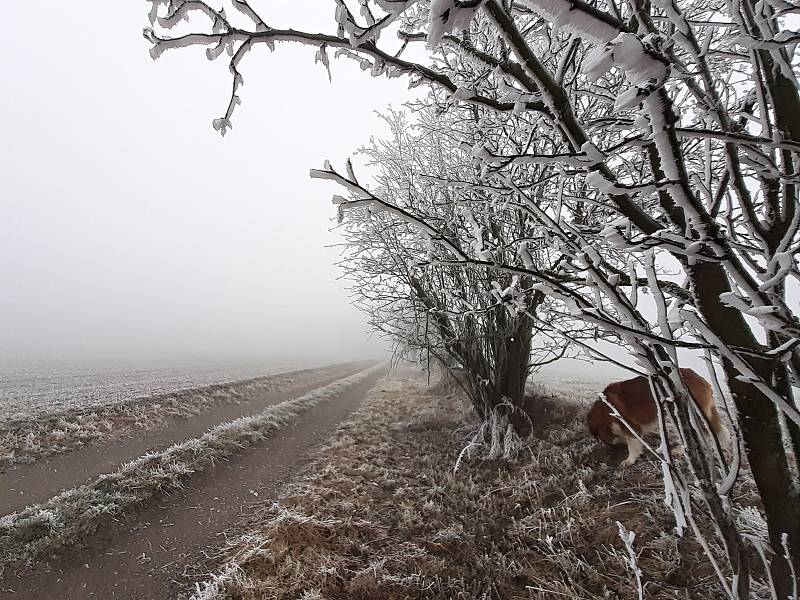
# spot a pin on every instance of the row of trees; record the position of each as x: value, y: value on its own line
x: 473, y: 319
x: 617, y: 170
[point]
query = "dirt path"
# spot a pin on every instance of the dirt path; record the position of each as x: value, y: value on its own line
x: 141, y: 558
x: 23, y: 484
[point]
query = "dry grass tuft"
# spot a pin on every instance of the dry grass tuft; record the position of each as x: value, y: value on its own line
x: 384, y: 515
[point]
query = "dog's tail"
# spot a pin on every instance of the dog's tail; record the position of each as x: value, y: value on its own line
x: 703, y: 395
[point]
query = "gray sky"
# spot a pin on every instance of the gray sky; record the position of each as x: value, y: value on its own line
x: 131, y: 230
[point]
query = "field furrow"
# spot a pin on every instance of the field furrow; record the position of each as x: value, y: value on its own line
x: 88, y: 511
x: 26, y: 483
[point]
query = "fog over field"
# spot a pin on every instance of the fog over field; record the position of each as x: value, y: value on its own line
x: 132, y: 232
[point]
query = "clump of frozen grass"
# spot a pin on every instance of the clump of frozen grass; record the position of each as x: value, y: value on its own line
x: 29, y: 439
x: 496, y: 438
x: 74, y: 513
x: 231, y: 576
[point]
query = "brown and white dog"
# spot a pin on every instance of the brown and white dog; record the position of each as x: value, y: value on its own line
x: 634, y: 401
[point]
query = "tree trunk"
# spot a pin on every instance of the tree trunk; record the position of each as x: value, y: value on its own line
x: 512, y: 358
x: 783, y: 386
x: 758, y: 419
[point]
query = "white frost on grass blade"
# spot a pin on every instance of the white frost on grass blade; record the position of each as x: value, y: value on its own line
x: 75, y: 512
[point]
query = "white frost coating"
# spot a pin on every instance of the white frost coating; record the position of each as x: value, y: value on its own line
x: 631, y: 563
x: 215, y: 52
x: 164, y: 43
x: 524, y: 254
x: 445, y: 17
x: 734, y: 301
x: 598, y: 61
x: 153, y: 13
x: 758, y: 311
x: 670, y: 236
x: 482, y: 153
x: 671, y: 10
x: 463, y: 93
x: 427, y: 243
x: 672, y: 499
x: 669, y: 166
x: 674, y: 315
x: 634, y: 282
x: 340, y: 16
x: 571, y: 160
x: 641, y: 122
x: 599, y: 181
x: 784, y: 348
x: 563, y: 16
x: 358, y: 34
x: 781, y: 264
x: 628, y: 99
x: 592, y: 152
x: 377, y: 68
x: 614, y: 233
x: 631, y: 54
x: 477, y: 230
x: 592, y: 255
x: 726, y: 484
x: 695, y: 247
x: 511, y: 94
x: 222, y: 125
x: 393, y: 7
x: 322, y: 56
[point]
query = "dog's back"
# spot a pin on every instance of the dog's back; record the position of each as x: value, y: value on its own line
x: 634, y: 402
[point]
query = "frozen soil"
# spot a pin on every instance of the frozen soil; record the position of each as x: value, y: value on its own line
x: 139, y: 555
x: 81, y: 457
x: 26, y: 439
x: 382, y: 514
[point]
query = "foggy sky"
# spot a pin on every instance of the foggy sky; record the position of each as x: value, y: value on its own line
x: 130, y: 229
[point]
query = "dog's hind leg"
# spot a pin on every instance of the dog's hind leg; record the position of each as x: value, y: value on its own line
x: 718, y: 427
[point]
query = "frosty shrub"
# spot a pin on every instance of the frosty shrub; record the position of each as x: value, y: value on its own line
x: 475, y: 320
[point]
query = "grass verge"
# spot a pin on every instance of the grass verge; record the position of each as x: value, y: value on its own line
x: 76, y: 513
x: 382, y: 514
x: 26, y: 440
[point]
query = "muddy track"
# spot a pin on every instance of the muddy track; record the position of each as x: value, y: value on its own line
x: 142, y: 556
x: 26, y: 484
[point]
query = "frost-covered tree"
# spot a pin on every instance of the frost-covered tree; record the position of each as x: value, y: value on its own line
x: 659, y: 136
x: 475, y: 320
